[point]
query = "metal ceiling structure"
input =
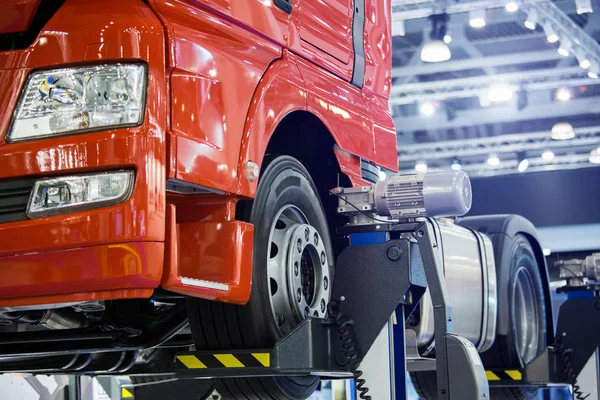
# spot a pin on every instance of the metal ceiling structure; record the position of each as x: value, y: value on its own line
x: 502, y: 52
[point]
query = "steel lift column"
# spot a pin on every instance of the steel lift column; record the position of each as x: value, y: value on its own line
x: 577, y: 334
x: 460, y: 373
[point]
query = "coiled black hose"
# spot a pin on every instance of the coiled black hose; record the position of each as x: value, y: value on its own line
x: 565, y: 355
x: 349, y: 358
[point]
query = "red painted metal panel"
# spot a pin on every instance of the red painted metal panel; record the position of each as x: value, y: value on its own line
x: 136, y: 265
x: 217, y: 66
x: 217, y: 256
x: 92, y: 250
x: 378, y: 47
x: 327, y: 25
x: 16, y: 15
x: 341, y: 107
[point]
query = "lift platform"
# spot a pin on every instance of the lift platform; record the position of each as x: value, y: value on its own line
x: 396, y: 259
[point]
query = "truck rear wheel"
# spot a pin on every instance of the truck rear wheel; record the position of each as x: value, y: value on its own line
x: 149, y: 388
x: 526, y: 308
x: 527, y: 312
x: 291, y: 280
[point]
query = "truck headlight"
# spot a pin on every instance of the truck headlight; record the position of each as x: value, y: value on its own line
x: 70, y: 100
x: 53, y: 196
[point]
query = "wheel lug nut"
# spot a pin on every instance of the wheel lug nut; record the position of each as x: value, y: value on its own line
x: 296, y: 268
x: 323, y: 259
x: 306, y: 312
x: 299, y: 295
x: 299, y: 245
x: 316, y: 239
x: 306, y: 234
x: 280, y: 319
x: 325, y: 283
x: 322, y: 305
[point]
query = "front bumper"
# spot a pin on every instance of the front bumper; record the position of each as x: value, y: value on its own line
x: 111, y: 252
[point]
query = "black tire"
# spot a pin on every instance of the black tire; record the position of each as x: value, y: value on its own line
x: 522, y: 257
x: 425, y: 384
x: 189, y: 389
x: 215, y: 325
x: 519, y: 256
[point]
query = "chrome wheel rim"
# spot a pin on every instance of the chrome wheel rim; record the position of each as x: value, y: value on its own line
x: 526, y: 316
x: 298, y: 269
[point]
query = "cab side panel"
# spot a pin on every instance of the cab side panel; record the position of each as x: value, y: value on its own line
x: 378, y: 47
x: 262, y: 16
x: 378, y: 80
x: 321, y: 32
x: 216, y: 65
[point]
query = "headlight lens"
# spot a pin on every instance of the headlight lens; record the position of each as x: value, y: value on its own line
x: 53, y: 196
x: 69, y: 100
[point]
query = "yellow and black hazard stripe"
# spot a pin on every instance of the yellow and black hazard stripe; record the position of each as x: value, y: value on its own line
x: 126, y: 393
x: 504, y: 375
x: 224, y: 360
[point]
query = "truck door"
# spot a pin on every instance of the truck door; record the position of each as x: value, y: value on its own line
x: 327, y: 25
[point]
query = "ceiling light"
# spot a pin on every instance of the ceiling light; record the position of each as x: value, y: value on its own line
x: 500, y: 93
x: 427, y: 109
x: 562, y: 131
x: 447, y: 38
x: 477, y: 18
x: 523, y: 162
x: 382, y: 175
x: 593, y: 71
x: 547, y: 252
x: 511, y: 6
x: 551, y: 35
x: 595, y: 156
x: 435, y: 50
x: 565, y: 47
x: 493, y: 160
x: 456, y: 166
x: 548, y: 155
x: 532, y: 20
x: 563, y: 94
x: 584, y: 6
x: 582, y: 59
x: 421, y: 166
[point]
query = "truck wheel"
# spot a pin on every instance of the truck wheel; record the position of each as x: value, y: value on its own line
x: 291, y: 280
x: 190, y: 389
x: 527, y: 337
x: 527, y: 312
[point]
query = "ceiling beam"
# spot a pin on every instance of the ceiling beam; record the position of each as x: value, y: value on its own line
x: 532, y: 141
x: 510, y: 77
x: 473, y: 63
x: 565, y: 27
x: 408, y: 10
x: 509, y: 167
x: 464, y: 93
x: 498, y: 115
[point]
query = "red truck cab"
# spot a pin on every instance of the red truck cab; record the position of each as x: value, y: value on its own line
x: 141, y: 145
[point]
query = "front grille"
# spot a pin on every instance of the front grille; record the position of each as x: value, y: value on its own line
x: 14, y: 196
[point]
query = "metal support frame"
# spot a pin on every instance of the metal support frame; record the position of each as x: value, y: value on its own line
x: 460, y: 373
x: 562, y: 362
x: 579, y: 343
x: 474, y: 86
x: 392, y: 268
x: 532, y: 141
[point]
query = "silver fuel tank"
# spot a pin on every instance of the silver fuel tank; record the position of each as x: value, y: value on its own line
x: 469, y: 268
